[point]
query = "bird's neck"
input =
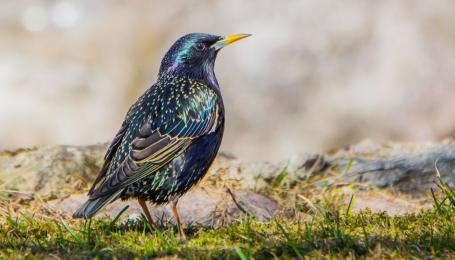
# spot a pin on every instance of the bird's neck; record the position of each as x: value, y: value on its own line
x: 209, y: 75
x: 204, y: 73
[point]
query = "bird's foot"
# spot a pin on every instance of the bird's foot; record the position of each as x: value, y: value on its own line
x: 182, y: 236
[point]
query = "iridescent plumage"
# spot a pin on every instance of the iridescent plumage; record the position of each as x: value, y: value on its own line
x: 170, y: 135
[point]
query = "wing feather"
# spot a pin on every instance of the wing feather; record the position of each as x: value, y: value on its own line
x: 109, y: 155
x: 159, y: 141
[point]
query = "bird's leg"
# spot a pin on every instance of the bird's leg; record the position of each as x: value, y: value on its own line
x: 177, y: 220
x: 146, y: 211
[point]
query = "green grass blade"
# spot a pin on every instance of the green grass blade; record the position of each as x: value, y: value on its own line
x: 89, y: 230
x: 70, y: 231
x: 347, y: 167
x: 350, y: 205
x: 435, y: 200
x: 118, y: 216
x: 290, y: 241
x: 240, y: 253
x: 280, y: 176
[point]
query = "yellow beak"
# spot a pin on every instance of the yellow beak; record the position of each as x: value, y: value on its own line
x: 228, y: 39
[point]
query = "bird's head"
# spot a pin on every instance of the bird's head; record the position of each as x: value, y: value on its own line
x: 194, y: 54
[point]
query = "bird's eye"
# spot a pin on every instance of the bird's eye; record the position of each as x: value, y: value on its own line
x: 200, y: 46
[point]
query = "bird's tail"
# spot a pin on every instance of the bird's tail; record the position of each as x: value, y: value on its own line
x: 92, y: 206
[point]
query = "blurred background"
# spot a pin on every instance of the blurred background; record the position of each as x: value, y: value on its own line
x: 318, y: 74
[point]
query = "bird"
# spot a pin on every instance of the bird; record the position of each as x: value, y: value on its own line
x: 170, y: 135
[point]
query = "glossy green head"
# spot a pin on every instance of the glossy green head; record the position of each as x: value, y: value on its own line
x: 194, y: 54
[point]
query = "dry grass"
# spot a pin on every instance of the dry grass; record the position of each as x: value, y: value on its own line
x: 320, y: 227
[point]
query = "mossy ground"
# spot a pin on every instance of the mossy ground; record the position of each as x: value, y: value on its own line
x: 326, y: 231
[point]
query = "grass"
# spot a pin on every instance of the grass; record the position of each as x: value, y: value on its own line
x: 329, y: 231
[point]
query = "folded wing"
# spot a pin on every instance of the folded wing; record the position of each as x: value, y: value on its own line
x: 164, y: 134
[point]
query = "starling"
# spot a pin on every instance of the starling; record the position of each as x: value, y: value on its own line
x: 170, y: 135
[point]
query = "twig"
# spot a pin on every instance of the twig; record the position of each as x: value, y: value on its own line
x: 237, y: 204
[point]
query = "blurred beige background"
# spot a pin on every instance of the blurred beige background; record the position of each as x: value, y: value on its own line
x: 317, y: 74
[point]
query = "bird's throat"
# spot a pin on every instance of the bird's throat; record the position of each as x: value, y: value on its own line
x: 209, y: 74
x: 204, y: 73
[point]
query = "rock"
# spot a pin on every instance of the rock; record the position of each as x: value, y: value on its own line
x: 411, y: 168
x: 408, y: 167
x: 57, y: 172
x: 383, y: 202
x: 199, y: 207
x: 252, y: 175
x: 306, y: 165
x: 50, y: 171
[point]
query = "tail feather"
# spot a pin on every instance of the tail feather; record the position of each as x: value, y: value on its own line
x: 92, y: 206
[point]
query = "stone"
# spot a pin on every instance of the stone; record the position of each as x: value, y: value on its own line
x: 410, y: 168
x: 52, y: 171
x: 57, y: 174
x: 379, y: 202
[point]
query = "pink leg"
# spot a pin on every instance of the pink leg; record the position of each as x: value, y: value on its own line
x: 177, y: 220
x: 146, y: 211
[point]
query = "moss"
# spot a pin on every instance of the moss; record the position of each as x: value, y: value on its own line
x: 322, y: 228
x: 329, y: 233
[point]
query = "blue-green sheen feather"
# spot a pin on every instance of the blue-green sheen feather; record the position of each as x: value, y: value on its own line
x: 170, y: 136
x: 171, y: 114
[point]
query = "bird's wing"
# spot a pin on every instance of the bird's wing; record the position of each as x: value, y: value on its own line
x: 167, y: 131
x: 109, y: 155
